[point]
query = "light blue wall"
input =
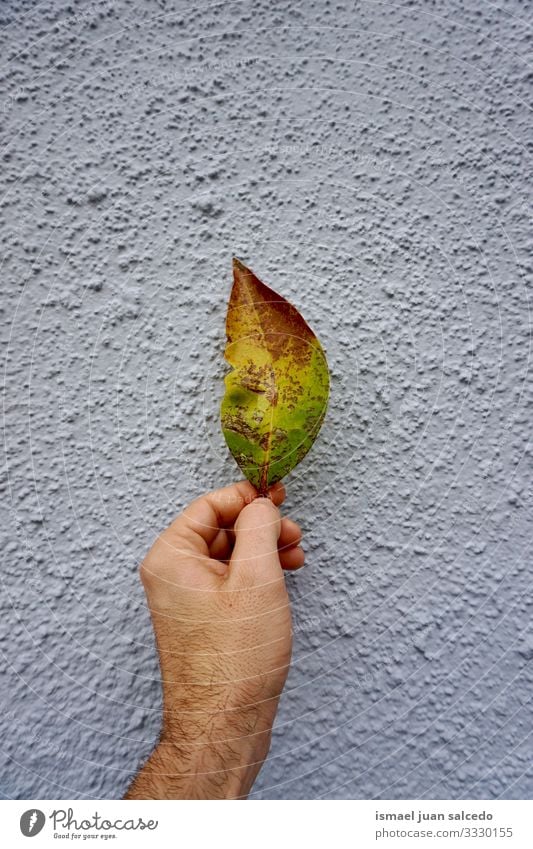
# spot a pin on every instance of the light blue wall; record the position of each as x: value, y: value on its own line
x: 370, y: 163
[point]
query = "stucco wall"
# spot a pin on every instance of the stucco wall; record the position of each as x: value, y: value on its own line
x: 368, y: 160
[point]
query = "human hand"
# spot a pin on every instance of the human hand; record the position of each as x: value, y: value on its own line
x: 216, y: 592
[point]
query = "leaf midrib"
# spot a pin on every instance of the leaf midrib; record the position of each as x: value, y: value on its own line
x: 268, y: 450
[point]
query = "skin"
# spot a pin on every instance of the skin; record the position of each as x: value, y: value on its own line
x: 216, y: 591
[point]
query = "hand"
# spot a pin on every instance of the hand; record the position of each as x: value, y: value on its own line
x: 221, y: 616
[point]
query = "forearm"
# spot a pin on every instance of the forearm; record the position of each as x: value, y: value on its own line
x: 205, y: 751
x: 222, y: 769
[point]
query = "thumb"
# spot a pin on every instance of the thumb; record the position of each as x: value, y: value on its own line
x: 255, y: 555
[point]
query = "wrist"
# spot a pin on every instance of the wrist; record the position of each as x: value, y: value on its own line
x: 219, y: 750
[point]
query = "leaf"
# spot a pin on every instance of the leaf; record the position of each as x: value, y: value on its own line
x: 277, y: 392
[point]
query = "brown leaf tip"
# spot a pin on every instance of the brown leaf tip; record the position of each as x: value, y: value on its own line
x: 239, y: 266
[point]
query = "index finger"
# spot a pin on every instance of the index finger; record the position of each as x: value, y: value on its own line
x: 205, y: 516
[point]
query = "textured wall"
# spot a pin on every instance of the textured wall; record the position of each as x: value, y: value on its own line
x: 368, y: 160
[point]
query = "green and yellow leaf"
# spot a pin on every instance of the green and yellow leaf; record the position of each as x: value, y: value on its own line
x: 277, y: 392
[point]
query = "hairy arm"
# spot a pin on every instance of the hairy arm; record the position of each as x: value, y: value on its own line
x: 213, y: 770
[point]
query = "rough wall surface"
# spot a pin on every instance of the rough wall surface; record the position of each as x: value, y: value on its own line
x: 370, y: 162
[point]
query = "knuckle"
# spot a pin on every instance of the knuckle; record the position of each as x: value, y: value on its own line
x: 150, y: 568
x: 145, y: 573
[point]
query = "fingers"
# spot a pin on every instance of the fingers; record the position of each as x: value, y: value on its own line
x: 289, y: 539
x: 291, y: 554
x: 206, y: 525
x: 222, y: 545
x: 290, y: 534
x: 255, y: 556
x: 292, y: 559
x: 202, y: 520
